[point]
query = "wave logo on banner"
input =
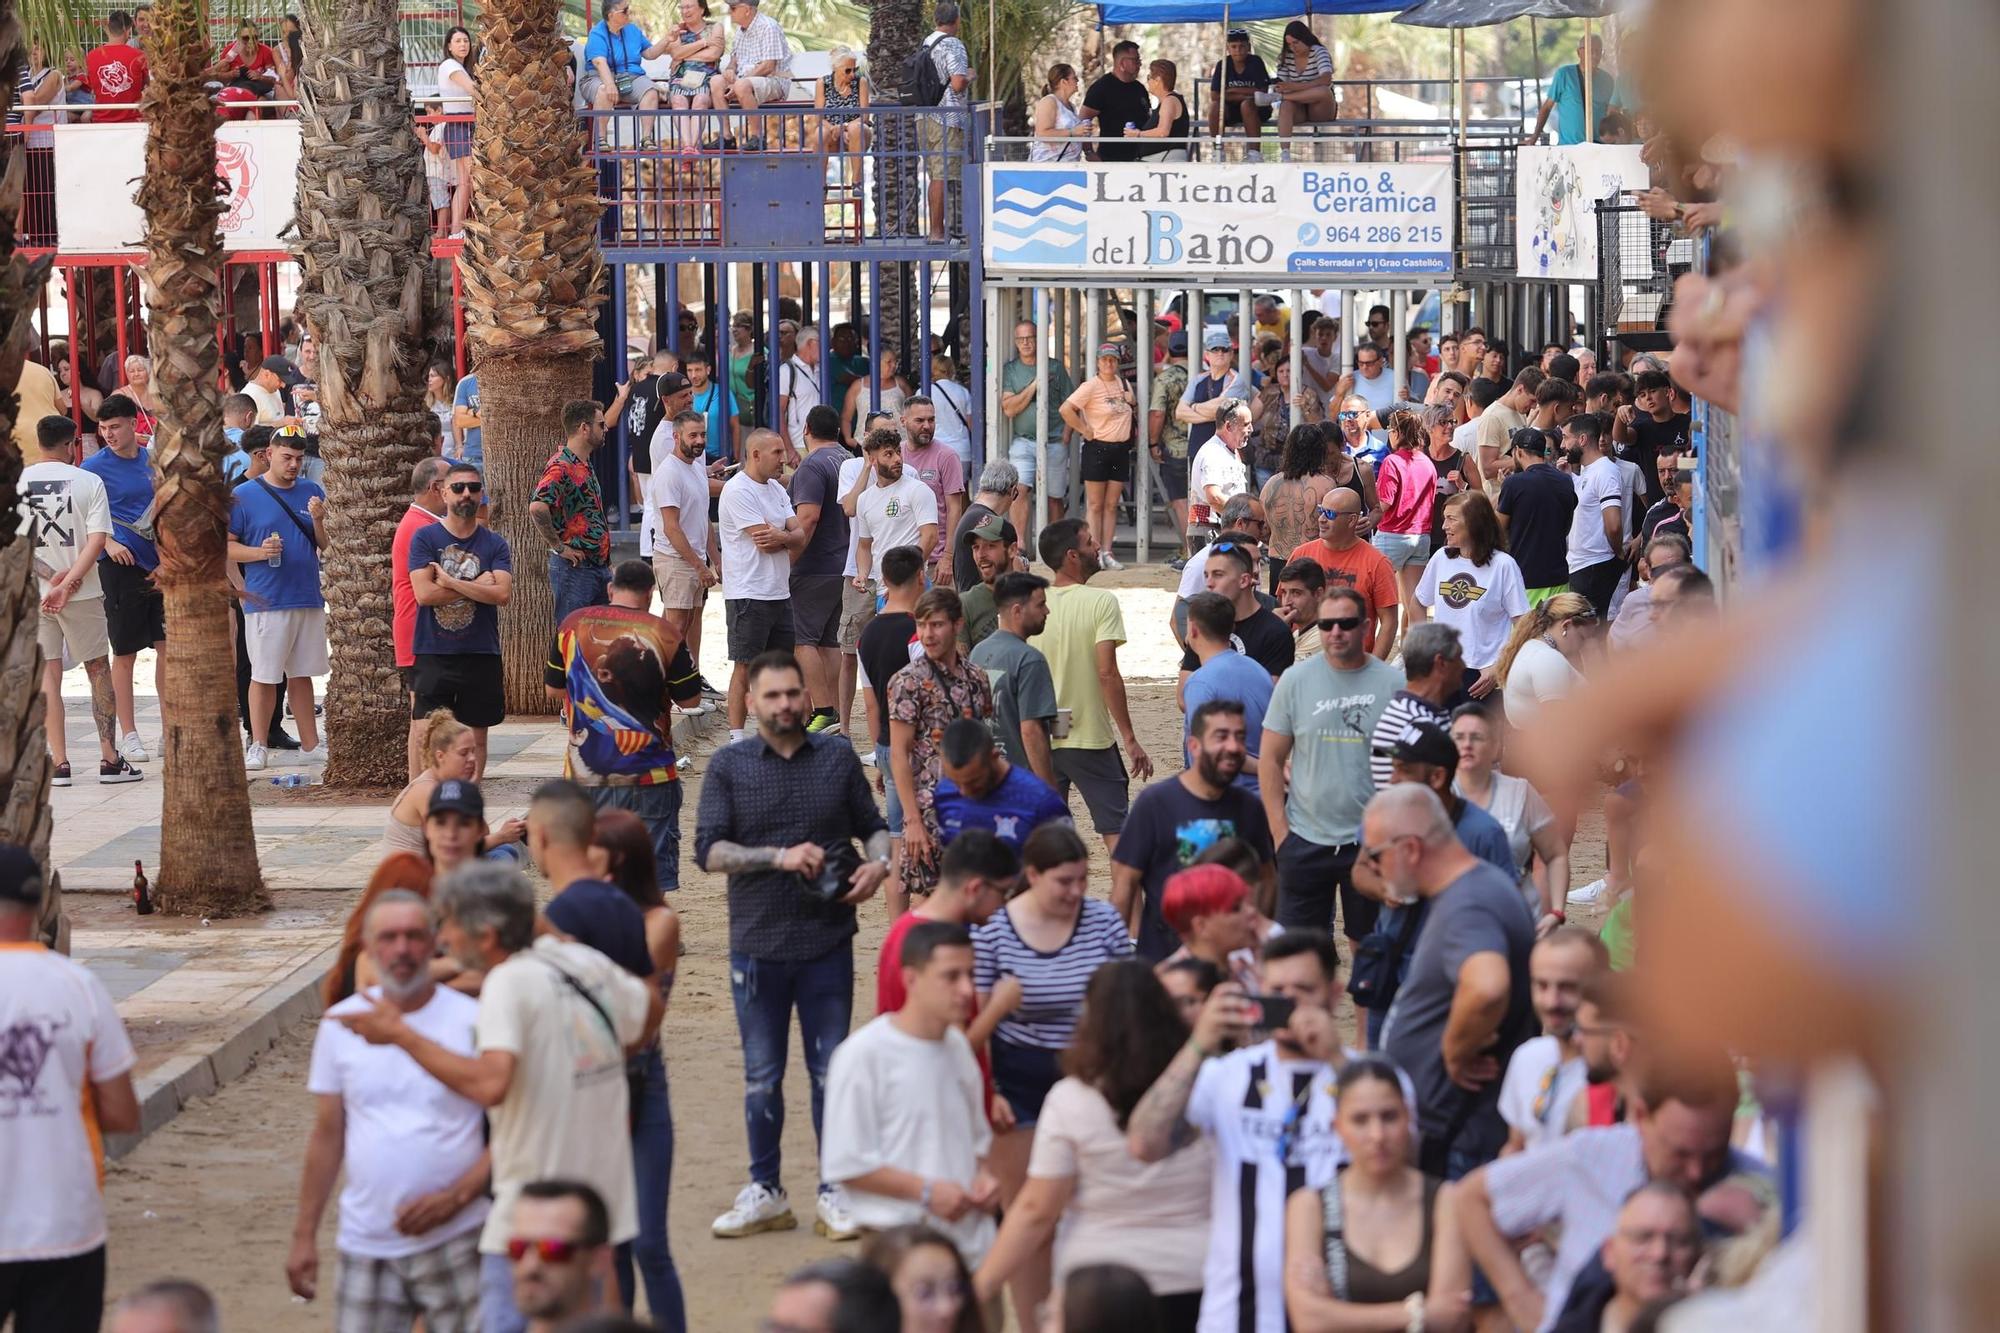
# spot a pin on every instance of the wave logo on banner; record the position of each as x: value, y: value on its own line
x: 1039, y: 217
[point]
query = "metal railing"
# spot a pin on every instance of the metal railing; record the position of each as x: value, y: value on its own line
x: 1332, y: 142
x: 1637, y: 262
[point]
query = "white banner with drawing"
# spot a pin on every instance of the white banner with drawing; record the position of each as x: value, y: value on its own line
x: 1387, y: 223
x: 1555, y: 205
x: 97, y: 180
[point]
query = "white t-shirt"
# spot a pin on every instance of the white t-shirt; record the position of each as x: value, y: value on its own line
x: 1631, y: 490
x: 63, y: 1034
x: 1465, y: 438
x: 61, y: 506
x: 452, y: 100
x: 1214, y: 465
x: 407, y: 1134
x: 270, y: 403
x: 1539, y: 1086
x: 954, y: 419
x: 684, y: 486
x: 892, y: 516
x: 565, y: 1111
x: 1479, y: 601
x: 1151, y: 1217
x: 897, y: 1100
x: 1521, y: 812
x: 849, y: 470
x: 1194, y: 575
x: 1598, y: 486
x: 1327, y: 366
x: 1275, y: 1117
x: 1539, y: 674
x: 749, y: 574
x: 662, y: 446
x: 799, y: 383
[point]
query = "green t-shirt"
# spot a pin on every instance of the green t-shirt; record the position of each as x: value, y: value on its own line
x: 1169, y: 383
x: 981, y: 618
x: 1080, y: 618
x: 1330, y: 716
x: 1017, y: 375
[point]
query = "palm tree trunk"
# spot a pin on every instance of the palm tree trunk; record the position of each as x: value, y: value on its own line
x: 895, y: 29
x: 533, y: 282
x: 24, y: 754
x: 364, y: 233
x: 208, y: 851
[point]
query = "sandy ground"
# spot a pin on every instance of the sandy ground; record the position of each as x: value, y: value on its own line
x: 213, y: 1195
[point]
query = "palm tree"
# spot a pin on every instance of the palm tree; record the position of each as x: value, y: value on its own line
x: 364, y: 243
x: 24, y: 755
x: 533, y: 282
x: 208, y: 852
x: 895, y: 29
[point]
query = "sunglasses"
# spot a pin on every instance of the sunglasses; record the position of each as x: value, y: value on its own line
x: 549, y: 1249
x: 466, y: 487
x: 1328, y: 624
x: 1335, y: 515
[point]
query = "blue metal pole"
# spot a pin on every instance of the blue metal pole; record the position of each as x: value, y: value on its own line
x: 924, y: 326
x: 773, y: 363
x: 875, y: 337
x: 971, y: 201
x: 618, y: 359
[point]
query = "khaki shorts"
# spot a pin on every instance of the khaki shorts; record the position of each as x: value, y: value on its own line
x: 80, y: 625
x: 285, y: 645
x: 944, y: 145
x: 635, y: 87
x: 767, y: 87
x: 856, y: 610
x: 680, y: 584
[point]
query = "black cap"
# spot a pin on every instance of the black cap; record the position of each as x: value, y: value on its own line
x: 1529, y: 440
x: 453, y: 796
x: 673, y: 382
x: 1422, y: 743
x: 284, y: 369
x: 20, y: 877
x: 1238, y: 35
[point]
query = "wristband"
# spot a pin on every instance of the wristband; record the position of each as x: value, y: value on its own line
x: 924, y: 1197
x: 1195, y: 1046
x: 1413, y: 1307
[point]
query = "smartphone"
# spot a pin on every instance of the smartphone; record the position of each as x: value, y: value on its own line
x: 1271, y: 1012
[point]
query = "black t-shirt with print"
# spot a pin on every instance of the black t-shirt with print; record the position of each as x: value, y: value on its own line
x: 1651, y: 439
x: 1261, y: 637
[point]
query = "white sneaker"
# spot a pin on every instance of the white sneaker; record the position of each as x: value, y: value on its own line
x: 1108, y: 561
x: 702, y: 709
x: 316, y: 755
x: 758, y: 1208
x: 1588, y: 894
x: 133, y: 749
x: 868, y: 757
x: 831, y: 1218
x: 255, y: 757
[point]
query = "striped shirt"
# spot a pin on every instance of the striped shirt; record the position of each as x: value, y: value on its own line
x: 1319, y: 65
x: 1052, y: 984
x: 762, y: 40
x: 1405, y: 710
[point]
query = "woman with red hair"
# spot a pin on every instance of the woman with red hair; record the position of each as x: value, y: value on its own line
x: 351, y: 969
x: 1210, y: 908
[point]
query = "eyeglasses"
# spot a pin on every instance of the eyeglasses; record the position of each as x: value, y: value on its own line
x: 548, y: 1248
x: 466, y: 487
x: 1328, y: 624
x: 1370, y: 363
x: 1372, y: 855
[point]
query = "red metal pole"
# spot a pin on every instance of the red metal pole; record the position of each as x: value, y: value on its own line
x: 75, y: 352
x: 118, y: 301
x: 267, y: 302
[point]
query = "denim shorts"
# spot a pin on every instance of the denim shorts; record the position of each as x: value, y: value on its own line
x: 1023, y: 1075
x: 1021, y: 453
x: 1403, y: 548
x: 893, y: 802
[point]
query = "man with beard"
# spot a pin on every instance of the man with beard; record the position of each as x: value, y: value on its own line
x: 554, y: 1022
x: 1547, y: 1072
x: 462, y: 574
x: 414, y: 1153
x: 780, y: 812
x: 898, y: 510
x: 939, y: 468
x: 560, y: 1246
x: 684, y: 548
x: 981, y: 791
x: 991, y: 551
x: 1300, y: 584
x: 1176, y: 819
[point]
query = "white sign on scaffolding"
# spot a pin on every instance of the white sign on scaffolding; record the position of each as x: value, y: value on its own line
x: 1379, y: 224
x: 1555, y: 205
x: 97, y: 180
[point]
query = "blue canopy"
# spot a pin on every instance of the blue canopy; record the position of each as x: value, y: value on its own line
x: 1212, y: 11
x: 1480, y: 13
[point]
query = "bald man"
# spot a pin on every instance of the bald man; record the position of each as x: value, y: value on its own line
x: 1353, y: 563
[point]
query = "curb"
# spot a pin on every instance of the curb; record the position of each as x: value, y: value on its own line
x: 167, y: 1090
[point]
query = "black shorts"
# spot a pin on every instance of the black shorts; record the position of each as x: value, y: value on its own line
x: 1024, y: 1075
x: 816, y: 609
x: 135, y: 615
x: 408, y: 675
x: 1107, y: 462
x: 757, y: 627
x: 1232, y: 112
x: 469, y: 684
x: 1174, y: 476
x: 1596, y: 583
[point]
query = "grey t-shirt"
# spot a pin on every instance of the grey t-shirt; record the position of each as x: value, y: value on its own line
x: 1479, y: 912
x: 1330, y: 716
x: 1022, y: 688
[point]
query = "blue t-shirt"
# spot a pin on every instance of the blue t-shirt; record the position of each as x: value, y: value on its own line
x: 599, y: 914
x: 1566, y: 91
x: 254, y: 514
x: 462, y: 626
x: 718, y: 405
x: 1017, y: 807
x: 623, y: 51
x: 1231, y: 675
x: 467, y: 397
x: 128, y: 485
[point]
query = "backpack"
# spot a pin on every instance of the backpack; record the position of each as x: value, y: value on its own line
x: 922, y: 84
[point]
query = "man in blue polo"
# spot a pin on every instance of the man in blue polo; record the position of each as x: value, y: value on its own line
x: 981, y: 790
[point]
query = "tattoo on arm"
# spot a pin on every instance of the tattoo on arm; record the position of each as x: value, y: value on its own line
x: 544, y: 524
x: 731, y: 858
x: 1160, y: 1118
x: 103, y: 710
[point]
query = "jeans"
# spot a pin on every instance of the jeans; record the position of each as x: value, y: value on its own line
x: 653, y: 1167
x: 577, y: 586
x: 659, y: 809
x: 892, y: 797
x: 766, y: 992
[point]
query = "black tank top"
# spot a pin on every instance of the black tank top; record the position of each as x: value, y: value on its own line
x: 1368, y: 1285
x: 1179, y: 129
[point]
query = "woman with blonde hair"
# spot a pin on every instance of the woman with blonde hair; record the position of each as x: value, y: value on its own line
x: 453, y: 751
x: 1057, y: 124
x: 1475, y: 587
x: 1539, y: 663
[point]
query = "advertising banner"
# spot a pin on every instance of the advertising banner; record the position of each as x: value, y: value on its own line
x: 1249, y: 222
x: 97, y: 178
x: 1555, y: 205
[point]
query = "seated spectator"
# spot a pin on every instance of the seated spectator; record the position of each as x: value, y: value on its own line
x: 1649, y: 1256
x: 758, y: 68
x: 614, y: 56
x: 843, y: 95
x: 1304, y: 81
x: 695, y: 44
x: 1380, y: 1239
x: 1056, y: 121
x: 1169, y: 121
x: 248, y: 64
x: 1233, y: 88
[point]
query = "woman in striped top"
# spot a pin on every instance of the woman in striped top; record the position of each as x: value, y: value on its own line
x: 1032, y: 963
x: 1304, y: 81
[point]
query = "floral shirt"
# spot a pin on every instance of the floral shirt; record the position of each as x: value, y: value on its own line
x: 930, y: 697
x: 576, y: 505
